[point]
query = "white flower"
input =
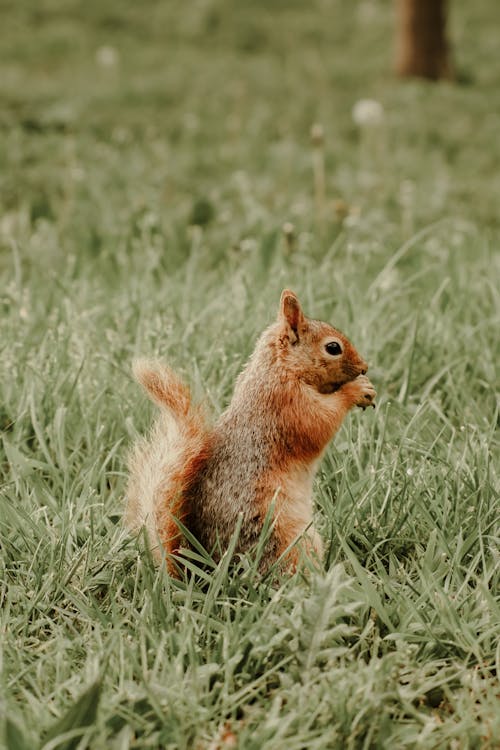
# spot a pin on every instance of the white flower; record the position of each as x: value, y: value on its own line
x: 107, y: 57
x: 367, y: 113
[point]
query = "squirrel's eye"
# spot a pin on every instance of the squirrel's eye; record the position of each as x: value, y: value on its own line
x: 333, y: 348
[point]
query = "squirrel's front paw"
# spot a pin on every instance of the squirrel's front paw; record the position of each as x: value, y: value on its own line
x: 367, y: 392
x: 361, y: 391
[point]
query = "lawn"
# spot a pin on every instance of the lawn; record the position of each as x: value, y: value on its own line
x: 150, y: 155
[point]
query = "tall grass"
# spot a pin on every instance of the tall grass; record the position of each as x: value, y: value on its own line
x: 142, y: 209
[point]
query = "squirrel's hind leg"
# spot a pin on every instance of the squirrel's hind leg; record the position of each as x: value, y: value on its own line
x: 298, y: 548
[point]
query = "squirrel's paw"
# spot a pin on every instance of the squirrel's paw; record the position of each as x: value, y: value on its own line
x: 361, y: 391
x: 367, y: 392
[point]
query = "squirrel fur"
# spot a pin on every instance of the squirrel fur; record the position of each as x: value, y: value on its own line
x: 261, y: 455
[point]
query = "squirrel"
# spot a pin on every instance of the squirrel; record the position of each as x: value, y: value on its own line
x: 260, y: 457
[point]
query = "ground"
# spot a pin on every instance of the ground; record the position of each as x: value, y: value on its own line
x: 150, y: 154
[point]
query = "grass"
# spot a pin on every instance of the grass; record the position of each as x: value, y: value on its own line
x: 123, y: 125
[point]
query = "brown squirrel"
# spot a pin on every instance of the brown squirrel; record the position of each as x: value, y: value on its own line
x: 260, y: 457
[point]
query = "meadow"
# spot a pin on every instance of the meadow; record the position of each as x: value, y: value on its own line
x: 150, y: 155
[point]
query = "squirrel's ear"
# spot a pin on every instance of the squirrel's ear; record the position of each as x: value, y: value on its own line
x: 291, y: 314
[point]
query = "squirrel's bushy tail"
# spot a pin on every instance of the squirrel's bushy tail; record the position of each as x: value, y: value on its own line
x: 162, y: 386
x: 161, y: 465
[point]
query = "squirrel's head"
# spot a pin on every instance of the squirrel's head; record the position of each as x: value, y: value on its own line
x: 313, y: 351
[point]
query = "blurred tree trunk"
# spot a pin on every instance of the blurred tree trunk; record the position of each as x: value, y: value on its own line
x: 421, y: 44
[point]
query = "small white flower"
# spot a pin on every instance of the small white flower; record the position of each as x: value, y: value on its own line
x: 367, y: 113
x: 107, y: 57
x: 409, y: 472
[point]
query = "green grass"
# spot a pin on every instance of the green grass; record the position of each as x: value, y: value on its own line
x: 205, y: 116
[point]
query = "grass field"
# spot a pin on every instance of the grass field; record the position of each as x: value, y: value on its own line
x: 150, y: 154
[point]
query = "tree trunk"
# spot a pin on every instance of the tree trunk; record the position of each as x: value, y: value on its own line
x: 421, y: 44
